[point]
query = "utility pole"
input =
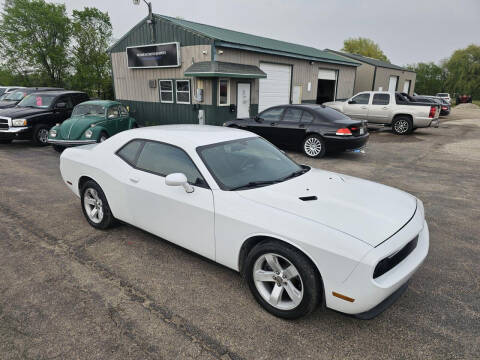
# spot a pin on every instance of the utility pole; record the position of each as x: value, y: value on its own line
x: 150, y: 18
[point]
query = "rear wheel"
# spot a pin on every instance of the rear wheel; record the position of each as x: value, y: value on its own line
x: 402, y: 125
x: 40, y: 135
x: 95, y: 206
x: 314, y: 146
x: 282, y: 280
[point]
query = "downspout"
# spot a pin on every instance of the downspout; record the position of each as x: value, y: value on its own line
x: 374, y: 77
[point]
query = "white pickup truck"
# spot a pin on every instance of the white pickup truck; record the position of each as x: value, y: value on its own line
x: 397, y: 110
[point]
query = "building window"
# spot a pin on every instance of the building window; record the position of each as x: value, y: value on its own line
x: 223, y: 92
x: 183, y: 91
x: 166, y: 91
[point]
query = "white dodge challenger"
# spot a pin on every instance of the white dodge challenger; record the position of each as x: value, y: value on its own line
x: 300, y: 236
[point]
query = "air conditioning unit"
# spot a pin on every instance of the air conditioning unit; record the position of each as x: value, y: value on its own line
x: 152, y: 84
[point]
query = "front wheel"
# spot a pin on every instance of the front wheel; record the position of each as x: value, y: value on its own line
x: 402, y: 125
x: 95, y: 206
x: 40, y: 135
x: 314, y: 146
x: 103, y: 136
x: 282, y: 280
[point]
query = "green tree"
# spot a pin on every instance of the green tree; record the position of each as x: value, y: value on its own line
x: 431, y: 78
x: 365, y: 47
x: 463, y: 71
x: 35, y: 37
x: 92, y: 32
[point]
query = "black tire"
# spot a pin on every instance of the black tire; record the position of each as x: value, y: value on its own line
x: 107, y: 219
x: 58, y: 148
x: 314, y: 146
x: 402, y: 125
x: 102, y: 137
x: 310, y: 281
x: 5, y: 141
x: 40, y: 135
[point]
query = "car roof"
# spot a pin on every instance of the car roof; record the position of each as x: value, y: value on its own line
x: 59, y: 92
x: 189, y: 136
x: 102, y: 102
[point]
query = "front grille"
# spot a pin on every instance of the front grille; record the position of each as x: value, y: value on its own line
x: 389, y: 263
x: 4, y: 123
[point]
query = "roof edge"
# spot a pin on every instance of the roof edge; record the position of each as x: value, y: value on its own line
x: 109, y: 49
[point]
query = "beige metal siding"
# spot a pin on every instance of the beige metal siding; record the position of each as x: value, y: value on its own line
x: 364, y: 81
x: 303, y: 72
x: 132, y: 84
x: 383, y: 76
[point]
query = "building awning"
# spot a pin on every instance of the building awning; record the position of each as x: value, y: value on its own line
x: 224, y: 69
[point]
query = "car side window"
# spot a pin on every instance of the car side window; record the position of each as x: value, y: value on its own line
x: 163, y: 159
x: 112, y: 112
x: 381, y: 99
x: 292, y: 115
x: 361, y: 99
x: 129, y: 151
x: 67, y: 100
x: 272, y: 114
x: 307, y: 117
x: 123, y: 110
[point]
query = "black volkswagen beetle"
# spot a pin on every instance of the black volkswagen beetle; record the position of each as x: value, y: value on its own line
x: 316, y: 128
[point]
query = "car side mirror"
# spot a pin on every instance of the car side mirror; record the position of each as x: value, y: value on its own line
x: 61, y: 105
x: 258, y: 119
x: 352, y: 102
x: 179, y: 179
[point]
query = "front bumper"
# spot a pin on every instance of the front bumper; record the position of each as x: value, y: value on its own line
x: 14, y: 132
x: 340, y: 143
x: 69, y: 143
x: 369, y: 293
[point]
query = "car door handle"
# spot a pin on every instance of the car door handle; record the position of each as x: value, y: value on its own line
x: 134, y: 180
x: 273, y: 124
x: 302, y: 125
x: 385, y: 108
x: 363, y: 107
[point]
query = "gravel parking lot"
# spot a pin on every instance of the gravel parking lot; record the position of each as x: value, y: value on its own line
x: 68, y: 291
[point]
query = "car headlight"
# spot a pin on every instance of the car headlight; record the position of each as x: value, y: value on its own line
x: 19, y: 122
x: 88, y: 134
x: 53, y: 133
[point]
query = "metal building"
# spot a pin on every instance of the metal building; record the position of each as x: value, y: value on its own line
x: 172, y: 70
x: 374, y: 74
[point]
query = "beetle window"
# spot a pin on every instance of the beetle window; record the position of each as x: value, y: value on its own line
x: 123, y: 110
x: 129, y: 152
x: 183, y: 91
x: 166, y: 91
x: 162, y: 159
x: 113, y: 112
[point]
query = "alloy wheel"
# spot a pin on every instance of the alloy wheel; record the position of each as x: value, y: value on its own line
x: 401, y: 126
x: 93, y: 205
x: 42, y: 136
x: 278, y: 281
x: 313, y: 146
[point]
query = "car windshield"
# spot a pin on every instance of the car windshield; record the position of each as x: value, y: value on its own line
x: 88, y: 109
x: 37, y: 101
x: 15, y: 96
x: 248, y: 163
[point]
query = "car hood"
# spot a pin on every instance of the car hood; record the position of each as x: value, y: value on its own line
x: 368, y: 211
x: 20, y: 112
x: 74, y: 127
x: 4, y: 104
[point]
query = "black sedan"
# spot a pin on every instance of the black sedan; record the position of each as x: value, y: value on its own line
x: 444, y: 105
x: 315, y: 128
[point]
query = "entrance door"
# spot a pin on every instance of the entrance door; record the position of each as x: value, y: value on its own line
x: 275, y: 89
x: 327, y: 84
x: 243, y: 100
x: 392, y: 84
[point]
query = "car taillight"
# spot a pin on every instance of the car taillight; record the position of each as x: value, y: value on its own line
x: 353, y: 128
x: 433, y: 110
x: 444, y: 108
x: 343, y: 131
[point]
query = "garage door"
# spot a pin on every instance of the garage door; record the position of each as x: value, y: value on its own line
x: 275, y: 89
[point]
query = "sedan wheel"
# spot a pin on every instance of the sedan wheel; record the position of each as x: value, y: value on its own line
x: 282, y: 279
x: 314, y: 146
x: 278, y: 281
x: 95, y: 206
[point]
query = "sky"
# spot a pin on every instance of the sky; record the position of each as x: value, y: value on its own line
x: 408, y: 31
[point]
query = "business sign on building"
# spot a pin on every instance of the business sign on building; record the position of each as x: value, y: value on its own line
x: 154, y: 56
